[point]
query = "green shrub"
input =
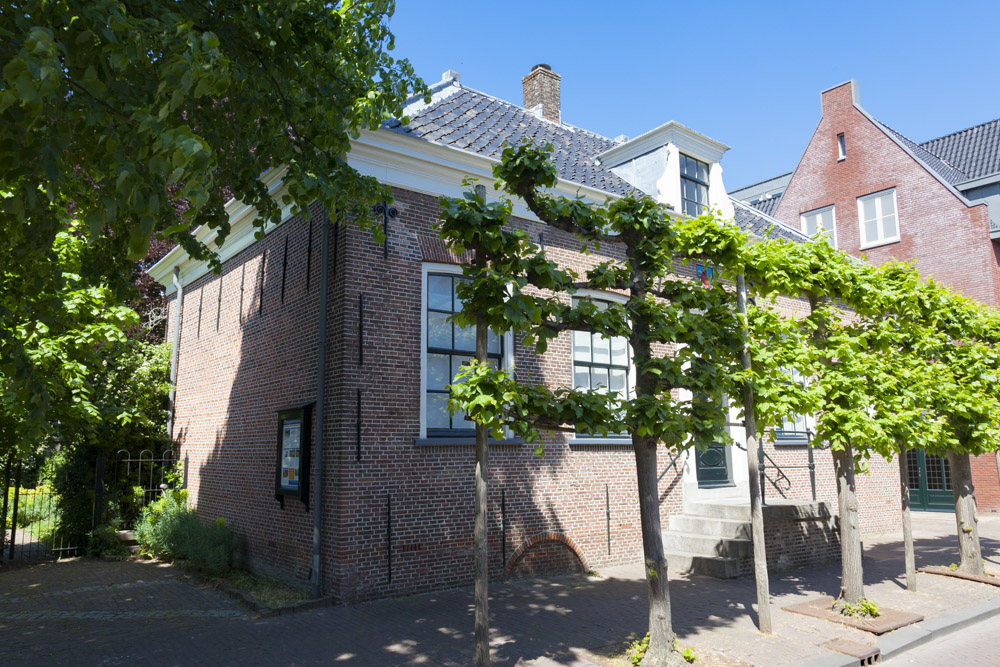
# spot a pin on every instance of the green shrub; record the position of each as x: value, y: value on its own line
x: 169, y: 529
x: 32, y: 506
x: 104, y: 542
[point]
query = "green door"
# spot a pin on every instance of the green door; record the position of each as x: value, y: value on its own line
x: 712, y: 466
x: 930, y: 482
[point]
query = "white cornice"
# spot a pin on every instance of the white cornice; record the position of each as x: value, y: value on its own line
x: 392, y: 158
x: 689, y: 141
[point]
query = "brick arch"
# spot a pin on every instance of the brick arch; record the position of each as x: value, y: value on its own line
x: 541, y: 538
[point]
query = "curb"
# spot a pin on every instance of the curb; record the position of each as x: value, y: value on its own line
x: 902, y: 640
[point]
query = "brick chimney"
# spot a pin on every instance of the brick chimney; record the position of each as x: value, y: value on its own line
x: 541, y: 92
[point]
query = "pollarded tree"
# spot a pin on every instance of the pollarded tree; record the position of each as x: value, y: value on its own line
x: 830, y: 347
x: 142, y: 118
x: 682, y: 335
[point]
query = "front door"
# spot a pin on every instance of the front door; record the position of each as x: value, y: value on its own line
x: 930, y: 481
x: 713, y: 467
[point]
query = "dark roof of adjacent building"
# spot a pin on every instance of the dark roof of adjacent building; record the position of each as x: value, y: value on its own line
x: 767, y: 206
x: 951, y: 174
x: 477, y: 122
x: 975, y: 150
x: 752, y: 220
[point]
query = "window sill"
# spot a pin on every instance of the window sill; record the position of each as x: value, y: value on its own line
x: 790, y: 442
x: 601, y: 441
x: 462, y: 442
x: 879, y: 244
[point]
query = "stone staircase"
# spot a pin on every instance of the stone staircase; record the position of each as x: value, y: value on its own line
x: 710, y: 539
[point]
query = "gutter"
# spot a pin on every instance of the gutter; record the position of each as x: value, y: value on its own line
x: 317, y: 456
x: 175, y: 344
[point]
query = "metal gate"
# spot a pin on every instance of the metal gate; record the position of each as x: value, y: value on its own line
x: 128, y: 483
x: 123, y: 487
x: 31, y: 526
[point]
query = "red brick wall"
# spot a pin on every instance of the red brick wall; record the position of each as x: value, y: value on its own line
x: 948, y: 240
x: 231, y: 382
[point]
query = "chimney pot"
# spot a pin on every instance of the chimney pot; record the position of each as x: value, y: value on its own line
x: 541, y: 88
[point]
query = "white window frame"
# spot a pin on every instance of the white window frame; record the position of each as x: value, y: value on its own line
x: 583, y: 439
x: 507, y: 360
x: 818, y: 211
x: 841, y: 147
x: 877, y: 196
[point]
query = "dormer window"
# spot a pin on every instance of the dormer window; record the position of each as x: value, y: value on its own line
x: 694, y: 186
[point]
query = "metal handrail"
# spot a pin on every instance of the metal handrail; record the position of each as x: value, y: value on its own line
x: 811, y: 465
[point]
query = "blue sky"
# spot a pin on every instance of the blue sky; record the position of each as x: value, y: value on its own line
x: 746, y: 74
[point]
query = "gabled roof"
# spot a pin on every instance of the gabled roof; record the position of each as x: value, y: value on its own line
x: 767, y: 206
x: 951, y: 174
x: 975, y: 150
x: 473, y: 121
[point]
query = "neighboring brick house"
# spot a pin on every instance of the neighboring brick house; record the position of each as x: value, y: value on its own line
x: 397, y: 471
x: 876, y: 194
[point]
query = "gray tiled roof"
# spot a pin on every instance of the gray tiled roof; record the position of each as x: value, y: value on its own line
x: 760, y: 224
x: 976, y: 150
x: 480, y: 123
x: 767, y: 206
x: 942, y: 168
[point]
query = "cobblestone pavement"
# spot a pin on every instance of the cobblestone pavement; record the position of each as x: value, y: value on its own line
x: 97, y: 612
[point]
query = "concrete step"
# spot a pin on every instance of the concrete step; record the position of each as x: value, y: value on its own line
x: 711, y: 566
x: 127, y: 537
x: 733, y: 529
x: 706, y: 545
x: 731, y: 511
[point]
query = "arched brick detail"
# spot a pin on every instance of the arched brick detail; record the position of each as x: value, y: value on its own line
x: 539, y: 538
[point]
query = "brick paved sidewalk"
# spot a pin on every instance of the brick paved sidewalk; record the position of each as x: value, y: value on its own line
x: 148, y: 614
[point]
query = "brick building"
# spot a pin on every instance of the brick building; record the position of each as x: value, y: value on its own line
x: 256, y: 389
x: 875, y: 194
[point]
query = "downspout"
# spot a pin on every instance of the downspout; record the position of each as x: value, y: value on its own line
x: 317, y: 454
x: 178, y: 305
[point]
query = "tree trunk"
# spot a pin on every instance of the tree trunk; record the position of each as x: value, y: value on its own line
x: 756, y: 511
x: 852, y: 584
x: 965, y: 515
x: 661, y: 633
x: 480, y: 544
x: 904, y: 494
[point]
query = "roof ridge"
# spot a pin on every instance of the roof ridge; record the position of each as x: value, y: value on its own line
x: 951, y: 134
x: 921, y: 147
x: 763, y: 180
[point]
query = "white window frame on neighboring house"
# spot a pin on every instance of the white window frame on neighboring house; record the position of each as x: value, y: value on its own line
x: 832, y: 235
x: 607, y: 297
x: 506, y: 357
x: 879, y: 219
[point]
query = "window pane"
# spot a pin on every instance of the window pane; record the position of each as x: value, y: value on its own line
x: 457, y: 304
x: 871, y: 231
x: 889, y: 227
x: 619, y: 351
x: 827, y: 219
x: 456, y: 363
x: 437, y: 411
x: 465, y: 338
x: 617, y: 381
x: 888, y: 205
x: 581, y: 377
x: 810, y: 221
x: 602, y: 350
x: 438, y: 371
x: 600, y: 378
x: 691, y: 208
x: 439, y: 292
x: 581, y: 345
x: 868, y: 208
x: 459, y: 421
x: 438, y: 330
x: 493, y: 343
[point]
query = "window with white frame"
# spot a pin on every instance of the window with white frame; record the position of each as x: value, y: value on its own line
x: 841, y: 147
x: 878, y: 218
x: 602, y: 363
x: 795, y: 428
x: 821, y: 221
x: 694, y: 186
x: 448, y: 346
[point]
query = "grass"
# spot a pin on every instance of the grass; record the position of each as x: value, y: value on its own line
x: 267, y: 592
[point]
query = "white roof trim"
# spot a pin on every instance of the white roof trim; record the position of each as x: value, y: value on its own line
x: 689, y: 141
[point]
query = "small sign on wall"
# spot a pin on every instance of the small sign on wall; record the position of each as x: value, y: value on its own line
x: 294, y: 439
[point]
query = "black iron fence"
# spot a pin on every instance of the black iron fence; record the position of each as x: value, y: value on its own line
x: 33, y: 522
x: 32, y: 528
